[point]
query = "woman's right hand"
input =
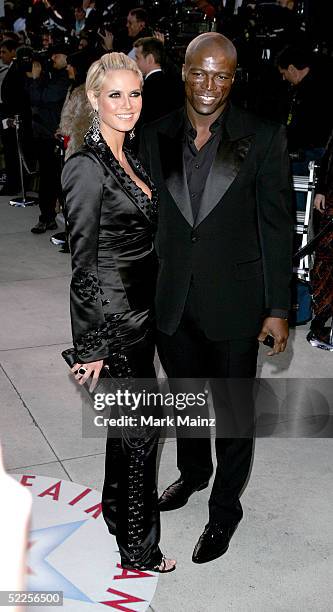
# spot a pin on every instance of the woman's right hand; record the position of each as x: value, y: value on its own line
x: 319, y: 202
x: 93, y: 368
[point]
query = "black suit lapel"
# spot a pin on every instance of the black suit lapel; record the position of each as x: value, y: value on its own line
x: 174, y: 173
x: 228, y: 160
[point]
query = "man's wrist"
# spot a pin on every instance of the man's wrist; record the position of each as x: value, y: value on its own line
x: 278, y: 313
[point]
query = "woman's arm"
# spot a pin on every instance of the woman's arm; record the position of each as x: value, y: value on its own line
x: 82, y: 181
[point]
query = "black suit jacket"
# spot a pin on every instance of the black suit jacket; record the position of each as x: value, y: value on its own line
x: 15, y: 99
x: 114, y: 264
x: 161, y: 95
x: 238, y: 252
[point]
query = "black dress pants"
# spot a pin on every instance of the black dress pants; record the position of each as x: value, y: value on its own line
x: 129, y: 498
x: 188, y: 353
x: 13, y: 182
x: 49, y: 178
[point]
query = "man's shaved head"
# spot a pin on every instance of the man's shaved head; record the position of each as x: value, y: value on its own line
x: 211, y: 43
x: 208, y: 73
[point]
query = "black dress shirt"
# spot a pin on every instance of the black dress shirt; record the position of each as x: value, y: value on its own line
x: 199, y: 163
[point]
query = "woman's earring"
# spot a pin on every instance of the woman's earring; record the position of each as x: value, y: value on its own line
x: 132, y: 134
x: 95, y: 125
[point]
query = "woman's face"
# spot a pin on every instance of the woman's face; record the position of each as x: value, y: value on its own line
x: 119, y: 103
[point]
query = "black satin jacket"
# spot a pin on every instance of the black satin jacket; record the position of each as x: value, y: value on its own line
x: 111, y: 225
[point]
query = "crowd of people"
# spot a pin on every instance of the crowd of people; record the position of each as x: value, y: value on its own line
x: 47, y: 47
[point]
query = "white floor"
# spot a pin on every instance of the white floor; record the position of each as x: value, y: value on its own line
x: 281, y: 556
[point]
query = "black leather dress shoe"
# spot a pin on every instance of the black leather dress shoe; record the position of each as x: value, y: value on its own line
x: 177, y: 494
x: 213, y: 543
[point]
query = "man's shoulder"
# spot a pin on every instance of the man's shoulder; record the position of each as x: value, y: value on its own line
x: 169, y: 122
x: 253, y: 122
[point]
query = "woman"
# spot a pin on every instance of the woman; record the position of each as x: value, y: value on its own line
x: 322, y: 272
x: 74, y: 120
x: 111, y: 212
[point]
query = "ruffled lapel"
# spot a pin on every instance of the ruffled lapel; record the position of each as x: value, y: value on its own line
x: 146, y: 206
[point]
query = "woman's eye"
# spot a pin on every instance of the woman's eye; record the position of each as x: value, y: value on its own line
x: 136, y: 94
x: 114, y: 95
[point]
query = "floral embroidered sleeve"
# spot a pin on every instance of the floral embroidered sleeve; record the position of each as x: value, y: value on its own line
x: 82, y: 181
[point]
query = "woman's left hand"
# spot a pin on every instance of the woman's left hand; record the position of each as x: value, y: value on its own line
x: 93, y: 368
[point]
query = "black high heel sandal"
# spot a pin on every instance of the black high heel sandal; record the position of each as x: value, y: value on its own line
x: 160, y: 568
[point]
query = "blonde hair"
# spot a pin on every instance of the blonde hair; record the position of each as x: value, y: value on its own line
x: 108, y: 62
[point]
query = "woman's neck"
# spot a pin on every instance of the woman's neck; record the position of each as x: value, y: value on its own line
x: 115, y: 141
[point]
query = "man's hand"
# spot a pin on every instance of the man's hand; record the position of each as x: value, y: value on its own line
x: 36, y: 70
x: 319, y: 202
x: 278, y: 328
x: 107, y: 39
x: 160, y: 36
x: 58, y: 134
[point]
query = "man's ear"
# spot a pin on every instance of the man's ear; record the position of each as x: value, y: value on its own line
x: 92, y: 99
x: 183, y: 72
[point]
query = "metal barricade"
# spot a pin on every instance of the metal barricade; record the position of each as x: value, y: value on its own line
x: 304, y: 221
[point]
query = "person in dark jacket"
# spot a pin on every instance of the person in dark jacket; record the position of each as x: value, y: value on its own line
x: 137, y: 27
x: 310, y: 118
x: 157, y: 100
x: 322, y: 272
x: 14, y: 101
x: 223, y: 284
x: 47, y: 94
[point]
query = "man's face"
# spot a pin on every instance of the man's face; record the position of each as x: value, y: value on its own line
x: 133, y: 25
x: 83, y: 44
x: 46, y: 41
x: 6, y: 55
x: 79, y: 13
x: 290, y: 74
x: 208, y: 77
x: 59, y: 61
x: 141, y: 61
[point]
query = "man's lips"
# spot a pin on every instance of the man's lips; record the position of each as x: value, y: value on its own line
x: 206, y: 99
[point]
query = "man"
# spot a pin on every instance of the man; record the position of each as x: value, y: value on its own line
x: 80, y: 20
x: 12, y: 88
x: 157, y: 87
x: 136, y: 27
x: 225, y: 201
x: 309, y: 123
x: 47, y: 95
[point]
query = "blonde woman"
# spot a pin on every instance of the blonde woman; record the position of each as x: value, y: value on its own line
x: 111, y: 207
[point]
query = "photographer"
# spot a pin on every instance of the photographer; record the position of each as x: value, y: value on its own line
x: 48, y: 90
x: 10, y: 105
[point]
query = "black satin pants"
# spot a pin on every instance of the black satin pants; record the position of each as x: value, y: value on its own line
x: 129, y: 498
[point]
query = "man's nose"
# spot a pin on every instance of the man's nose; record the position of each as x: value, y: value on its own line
x: 209, y: 83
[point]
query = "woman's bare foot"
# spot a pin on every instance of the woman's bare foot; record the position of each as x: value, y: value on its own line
x: 167, y: 565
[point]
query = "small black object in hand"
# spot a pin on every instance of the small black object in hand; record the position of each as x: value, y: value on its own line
x: 269, y: 341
